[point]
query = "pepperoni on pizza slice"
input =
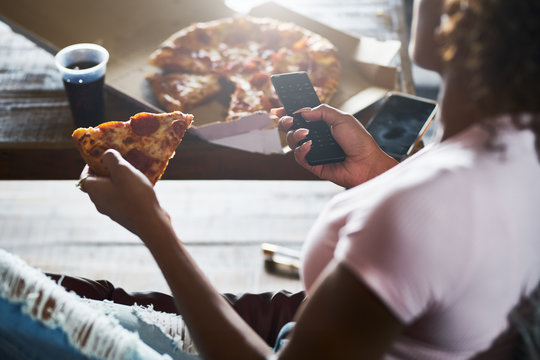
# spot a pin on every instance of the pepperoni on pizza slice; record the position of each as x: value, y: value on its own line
x: 147, y: 141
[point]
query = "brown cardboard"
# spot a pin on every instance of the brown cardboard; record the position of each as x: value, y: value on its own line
x: 132, y: 29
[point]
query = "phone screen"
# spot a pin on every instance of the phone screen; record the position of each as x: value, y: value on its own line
x: 400, y: 123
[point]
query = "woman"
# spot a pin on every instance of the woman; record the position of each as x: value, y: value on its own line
x: 419, y: 260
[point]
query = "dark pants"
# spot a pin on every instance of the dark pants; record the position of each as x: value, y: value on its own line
x: 265, y: 312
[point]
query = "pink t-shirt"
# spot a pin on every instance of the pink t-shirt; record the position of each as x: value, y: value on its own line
x: 449, y: 240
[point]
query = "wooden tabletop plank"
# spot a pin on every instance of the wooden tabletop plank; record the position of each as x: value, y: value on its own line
x: 55, y: 227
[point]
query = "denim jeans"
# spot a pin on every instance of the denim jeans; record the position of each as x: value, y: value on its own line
x: 163, y: 332
x: 40, y: 320
x: 282, y: 336
x: 21, y: 337
x: 150, y: 331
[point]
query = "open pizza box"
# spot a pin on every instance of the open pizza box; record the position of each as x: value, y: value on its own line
x: 132, y: 29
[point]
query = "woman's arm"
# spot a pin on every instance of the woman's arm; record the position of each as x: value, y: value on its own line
x: 341, y: 318
x: 364, y: 159
x: 128, y: 198
x: 218, y: 331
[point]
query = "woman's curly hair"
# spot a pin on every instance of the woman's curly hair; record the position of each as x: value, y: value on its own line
x: 496, y: 44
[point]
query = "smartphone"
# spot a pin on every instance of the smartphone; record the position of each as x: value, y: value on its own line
x: 400, y: 122
x: 295, y: 91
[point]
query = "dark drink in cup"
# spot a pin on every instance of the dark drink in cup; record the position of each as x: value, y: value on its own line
x: 86, y: 99
x: 83, y: 72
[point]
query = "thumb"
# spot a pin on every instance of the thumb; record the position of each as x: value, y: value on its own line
x: 327, y: 113
x: 112, y: 160
x: 120, y: 170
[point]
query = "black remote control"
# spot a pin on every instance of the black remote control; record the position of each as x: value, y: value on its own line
x: 295, y: 91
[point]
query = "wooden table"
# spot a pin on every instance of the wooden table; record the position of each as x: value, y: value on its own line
x: 56, y: 228
x: 35, y: 122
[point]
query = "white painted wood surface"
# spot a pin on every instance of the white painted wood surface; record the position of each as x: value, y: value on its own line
x: 54, y: 226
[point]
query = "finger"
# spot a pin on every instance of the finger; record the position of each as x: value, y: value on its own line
x: 301, y: 110
x: 294, y: 137
x: 92, y: 183
x: 285, y: 123
x: 279, y: 112
x: 115, y: 163
x: 111, y: 159
x: 121, y: 171
x: 328, y: 114
x: 82, y: 178
x: 301, y: 152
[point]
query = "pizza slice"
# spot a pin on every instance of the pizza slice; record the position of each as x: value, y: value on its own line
x: 252, y: 94
x: 147, y: 141
x: 183, y: 91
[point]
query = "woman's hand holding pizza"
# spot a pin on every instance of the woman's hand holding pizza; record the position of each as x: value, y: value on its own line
x: 127, y: 196
x: 364, y: 159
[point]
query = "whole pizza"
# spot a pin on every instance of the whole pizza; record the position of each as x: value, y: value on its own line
x: 238, y: 55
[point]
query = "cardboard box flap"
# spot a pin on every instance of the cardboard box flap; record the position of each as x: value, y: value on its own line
x: 256, y: 121
x: 254, y: 133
